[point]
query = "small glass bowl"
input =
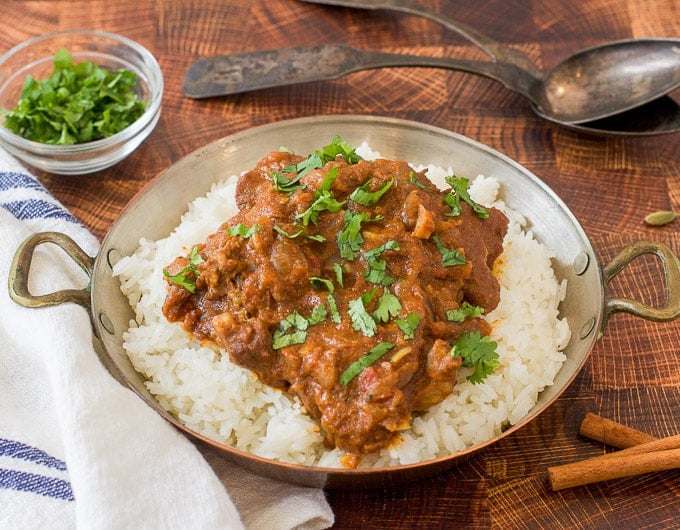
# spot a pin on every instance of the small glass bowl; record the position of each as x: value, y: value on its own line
x: 36, y: 57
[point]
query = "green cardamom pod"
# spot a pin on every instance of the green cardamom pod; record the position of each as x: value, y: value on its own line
x: 660, y: 218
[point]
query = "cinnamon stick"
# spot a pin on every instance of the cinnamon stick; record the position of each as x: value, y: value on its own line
x: 656, y: 455
x: 612, y: 433
x: 611, y: 467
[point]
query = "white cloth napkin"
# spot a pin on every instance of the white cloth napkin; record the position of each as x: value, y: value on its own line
x: 79, y: 450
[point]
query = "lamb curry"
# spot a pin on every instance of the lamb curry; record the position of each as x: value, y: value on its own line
x: 356, y: 285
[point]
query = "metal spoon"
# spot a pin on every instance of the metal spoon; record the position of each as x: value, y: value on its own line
x: 233, y: 74
x: 592, y: 84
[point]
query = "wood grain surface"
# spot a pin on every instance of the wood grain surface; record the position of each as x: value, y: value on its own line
x: 610, y: 184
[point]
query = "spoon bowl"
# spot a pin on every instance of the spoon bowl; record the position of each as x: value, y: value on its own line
x: 606, y: 80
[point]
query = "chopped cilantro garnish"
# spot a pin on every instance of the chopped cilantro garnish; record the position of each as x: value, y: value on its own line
x: 408, y: 325
x: 364, y: 362
x: 388, y: 306
x: 362, y: 196
x: 337, y: 268
x: 450, y: 258
x: 378, y: 276
x: 187, y: 276
x: 318, y: 315
x: 361, y: 320
x: 308, y: 164
x: 77, y: 103
x: 323, y: 200
x: 452, y: 200
x: 292, y: 330
x: 286, y: 185
x: 328, y: 181
x: 320, y: 283
x: 372, y: 256
x: 459, y: 191
x: 333, y: 306
x: 320, y: 157
x: 417, y: 183
x: 336, y: 148
x: 377, y: 267
x: 349, y: 239
x: 477, y: 352
x: 314, y: 237
x: 465, y: 310
x: 241, y: 230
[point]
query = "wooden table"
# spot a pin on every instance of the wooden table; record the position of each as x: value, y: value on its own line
x: 633, y: 374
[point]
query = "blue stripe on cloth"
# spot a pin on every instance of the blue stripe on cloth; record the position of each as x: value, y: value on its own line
x: 15, y: 449
x: 10, y: 180
x: 45, y: 486
x: 37, y: 209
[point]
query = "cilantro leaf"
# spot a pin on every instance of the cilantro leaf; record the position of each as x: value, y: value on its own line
x: 465, y: 310
x: 361, y: 320
x: 318, y: 315
x: 319, y: 283
x: 416, y: 182
x: 377, y: 267
x: 187, y: 276
x: 349, y: 239
x: 452, y: 200
x: 323, y: 200
x: 241, y: 230
x: 314, y: 237
x: 282, y: 183
x: 408, y: 325
x: 450, y: 258
x: 459, y: 187
x: 388, y: 306
x: 378, y: 276
x: 363, y: 197
x: 477, y: 352
x: 322, y: 156
x: 182, y: 278
x: 308, y: 164
x: 373, y: 256
x: 336, y: 148
x: 337, y: 268
x: 292, y: 330
x: 333, y: 306
x: 364, y: 362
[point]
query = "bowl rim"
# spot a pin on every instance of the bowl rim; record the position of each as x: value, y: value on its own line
x: 154, y: 75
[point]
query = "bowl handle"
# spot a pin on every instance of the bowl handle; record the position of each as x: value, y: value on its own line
x: 21, y: 264
x: 671, y: 268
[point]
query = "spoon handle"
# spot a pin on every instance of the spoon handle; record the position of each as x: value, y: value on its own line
x: 495, y: 50
x: 223, y: 75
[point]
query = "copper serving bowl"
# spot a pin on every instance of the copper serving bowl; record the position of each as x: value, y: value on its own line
x: 157, y: 210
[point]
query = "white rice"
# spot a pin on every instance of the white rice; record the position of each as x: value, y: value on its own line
x: 222, y: 401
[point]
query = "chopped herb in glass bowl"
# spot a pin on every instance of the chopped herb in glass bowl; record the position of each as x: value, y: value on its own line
x: 76, y: 102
